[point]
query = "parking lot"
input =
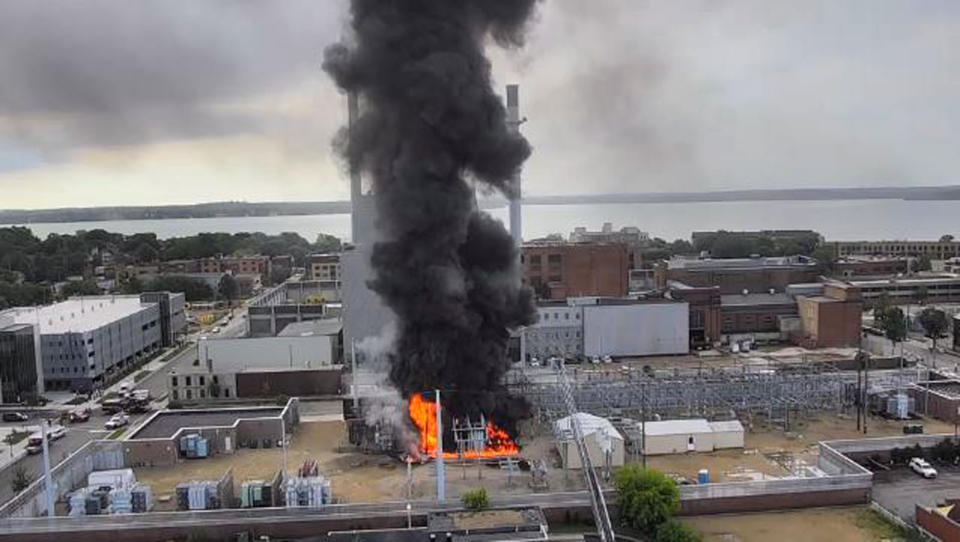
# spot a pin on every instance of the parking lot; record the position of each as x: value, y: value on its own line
x: 900, y: 490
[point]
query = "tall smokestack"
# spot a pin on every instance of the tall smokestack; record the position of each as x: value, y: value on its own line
x: 513, y: 122
x: 430, y: 120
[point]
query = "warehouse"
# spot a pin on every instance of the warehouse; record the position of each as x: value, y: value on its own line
x: 603, y: 442
x: 635, y: 327
x: 602, y: 326
x: 695, y: 435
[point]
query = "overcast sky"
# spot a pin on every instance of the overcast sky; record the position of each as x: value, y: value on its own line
x: 111, y: 102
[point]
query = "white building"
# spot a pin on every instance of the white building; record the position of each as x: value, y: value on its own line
x: 85, y: 342
x: 597, y: 326
x: 694, y: 435
x: 304, y: 345
x: 603, y: 442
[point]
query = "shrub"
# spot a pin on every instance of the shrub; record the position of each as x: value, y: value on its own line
x: 647, y: 497
x: 674, y: 531
x: 475, y: 499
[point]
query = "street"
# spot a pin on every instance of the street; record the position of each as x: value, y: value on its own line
x: 76, y: 437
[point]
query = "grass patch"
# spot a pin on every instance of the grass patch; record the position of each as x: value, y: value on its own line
x: 883, y: 528
x: 76, y: 401
x: 15, y: 436
x: 117, y: 434
x: 140, y: 376
x: 109, y: 395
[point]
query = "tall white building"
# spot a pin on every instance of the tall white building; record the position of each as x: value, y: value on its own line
x: 86, y: 342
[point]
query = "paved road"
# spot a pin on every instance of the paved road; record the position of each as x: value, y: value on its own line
x: 900, y: 490
x: 76, y: 437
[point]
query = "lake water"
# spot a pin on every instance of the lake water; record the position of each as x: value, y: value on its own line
x: 836, y: 220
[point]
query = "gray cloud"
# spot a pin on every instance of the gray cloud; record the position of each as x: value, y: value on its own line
x: 114, y: 72
x: 621, y: 94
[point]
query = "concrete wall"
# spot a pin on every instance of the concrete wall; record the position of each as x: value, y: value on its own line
x: 641, y: 329
x: 944, y: 528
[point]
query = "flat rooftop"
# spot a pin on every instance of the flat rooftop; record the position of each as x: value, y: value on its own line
x: 750, y: 300
x: 948, y: 388
x: 711, y: 264
x: 166, y: 423
x: 312, y: 328
x: 79, y: 314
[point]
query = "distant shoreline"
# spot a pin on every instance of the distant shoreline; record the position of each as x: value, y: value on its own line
x: 264, y: 209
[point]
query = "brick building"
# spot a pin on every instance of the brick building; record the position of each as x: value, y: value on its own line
x: 935, y: 250
x: 246, y: 265
x: 558, y: 270
x: 704, y: 303
x: 734, y: 275
x: 323, y: 267
x: 832, y: 319
x: 852, y: 266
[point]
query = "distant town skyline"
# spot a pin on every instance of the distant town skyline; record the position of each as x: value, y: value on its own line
x: 119, y: 103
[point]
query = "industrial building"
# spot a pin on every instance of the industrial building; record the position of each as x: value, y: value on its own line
x: 935, y: 250
x: 558, y: 270
x: 290, y: 302
x: 832, y: 319
x: 812, y: 314
x: 695, y: 435
x: 86, y: 342
x: 156, y: 442
x: 856, y: 266
x: 940, y: 288
x: 604, y: 444
x: 597, y: 326
x: 302, y: 362
x: 737, y: 275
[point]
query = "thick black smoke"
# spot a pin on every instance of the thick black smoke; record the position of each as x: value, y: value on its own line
x: 430, y: 120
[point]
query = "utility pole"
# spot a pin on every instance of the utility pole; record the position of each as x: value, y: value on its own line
x: 441, y: 485
x: 643, y: 423
x: 47, y: 479
x: 353, y: 370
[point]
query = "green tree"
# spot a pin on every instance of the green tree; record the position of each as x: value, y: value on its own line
x: 921, y: 263
x: 21, y: 479
x: 80, y: 287
x: 674, y: 531
x: 880, y: 309
x: 935, y: 324
x: 681, y: 246
x: 894, y: 325
x: 946, y: 238
x: 921, y: 294
x: 193, y: 290
x: 647, y: 497
x: 475, y: 499
x: 228, y: 288
x: 825, y: 257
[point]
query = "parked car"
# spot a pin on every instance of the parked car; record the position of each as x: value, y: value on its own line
x: 921, y: 467
x: 117, y: 421
x: 15, y: 417
x: 215, y: 330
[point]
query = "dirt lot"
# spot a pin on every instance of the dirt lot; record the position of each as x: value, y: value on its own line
x: 853, y: 524
x: 366, y: 478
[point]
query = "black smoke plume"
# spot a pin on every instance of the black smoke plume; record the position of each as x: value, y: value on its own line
x: 430, y: 123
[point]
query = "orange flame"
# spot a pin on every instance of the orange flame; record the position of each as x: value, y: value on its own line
x: 423, y: 412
